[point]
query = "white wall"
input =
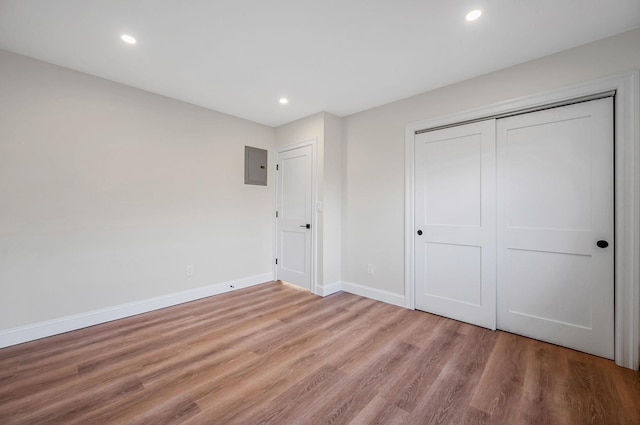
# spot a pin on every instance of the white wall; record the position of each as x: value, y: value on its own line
x: 373, y: 210
x: 108, y: 192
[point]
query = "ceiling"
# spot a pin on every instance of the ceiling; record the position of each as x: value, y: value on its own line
x: 341, y: 56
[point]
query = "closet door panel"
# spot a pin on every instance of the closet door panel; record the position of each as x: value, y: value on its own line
x: 555, y: 202
x: 455, y: 223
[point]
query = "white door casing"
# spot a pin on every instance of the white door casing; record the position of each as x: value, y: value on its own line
x: 455, y: 219
x: 555, y: 201
x: 294, y: 206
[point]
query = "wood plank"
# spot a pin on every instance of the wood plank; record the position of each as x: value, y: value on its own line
x: 450, y: 394
x: 378, y: 412
x: 503, y: 379
x: 298, y: 397
x: 408, y: 387
x: 274, y: 354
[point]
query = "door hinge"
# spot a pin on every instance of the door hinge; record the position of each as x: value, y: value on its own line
x: 276, y: 214
x: 276, y: 261
x: 277, y: 167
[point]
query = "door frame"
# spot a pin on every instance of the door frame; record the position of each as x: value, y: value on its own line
x: 626, y: 193
x: 314, y: 221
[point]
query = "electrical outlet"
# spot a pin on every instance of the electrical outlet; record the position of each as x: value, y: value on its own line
x: 370, y: 268
x: 189, y: 270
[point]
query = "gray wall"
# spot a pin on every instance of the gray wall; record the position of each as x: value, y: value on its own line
x: 373, y: 211
x: 108, y: 192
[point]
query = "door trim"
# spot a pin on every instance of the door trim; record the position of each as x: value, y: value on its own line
x: 626, y: 204
x: 314, y: 221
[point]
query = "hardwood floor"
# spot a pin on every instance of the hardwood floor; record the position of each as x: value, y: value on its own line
x: 274, y: 354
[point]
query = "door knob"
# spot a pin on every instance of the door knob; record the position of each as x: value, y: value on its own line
x: 419, y: 232
x: 306, y: 226
x: 602, y: 244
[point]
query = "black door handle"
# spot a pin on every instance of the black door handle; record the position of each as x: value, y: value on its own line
x: 419, y: 232
x: 306, y: 226
x: 602, y: 244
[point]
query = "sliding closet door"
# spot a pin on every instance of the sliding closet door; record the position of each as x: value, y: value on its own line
x: 555, y: 226
x: 455, y: 223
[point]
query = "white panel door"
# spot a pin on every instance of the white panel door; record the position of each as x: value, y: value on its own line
x: 555, y: 202
x: 455, y: 203
x: 294, y: 209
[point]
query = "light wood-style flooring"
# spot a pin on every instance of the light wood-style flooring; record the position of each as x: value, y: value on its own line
x: 274, y: 354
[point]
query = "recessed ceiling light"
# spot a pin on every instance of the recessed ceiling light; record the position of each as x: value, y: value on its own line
x: 284, y: 100
x: 473, y: 15
x: 128, y: 39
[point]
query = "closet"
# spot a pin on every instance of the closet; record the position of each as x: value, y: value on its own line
x: 514, y: 224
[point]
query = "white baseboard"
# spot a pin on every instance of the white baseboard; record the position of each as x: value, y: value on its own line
x: 39, y: 330
x: 373, y: 293
x: 331, y: 288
